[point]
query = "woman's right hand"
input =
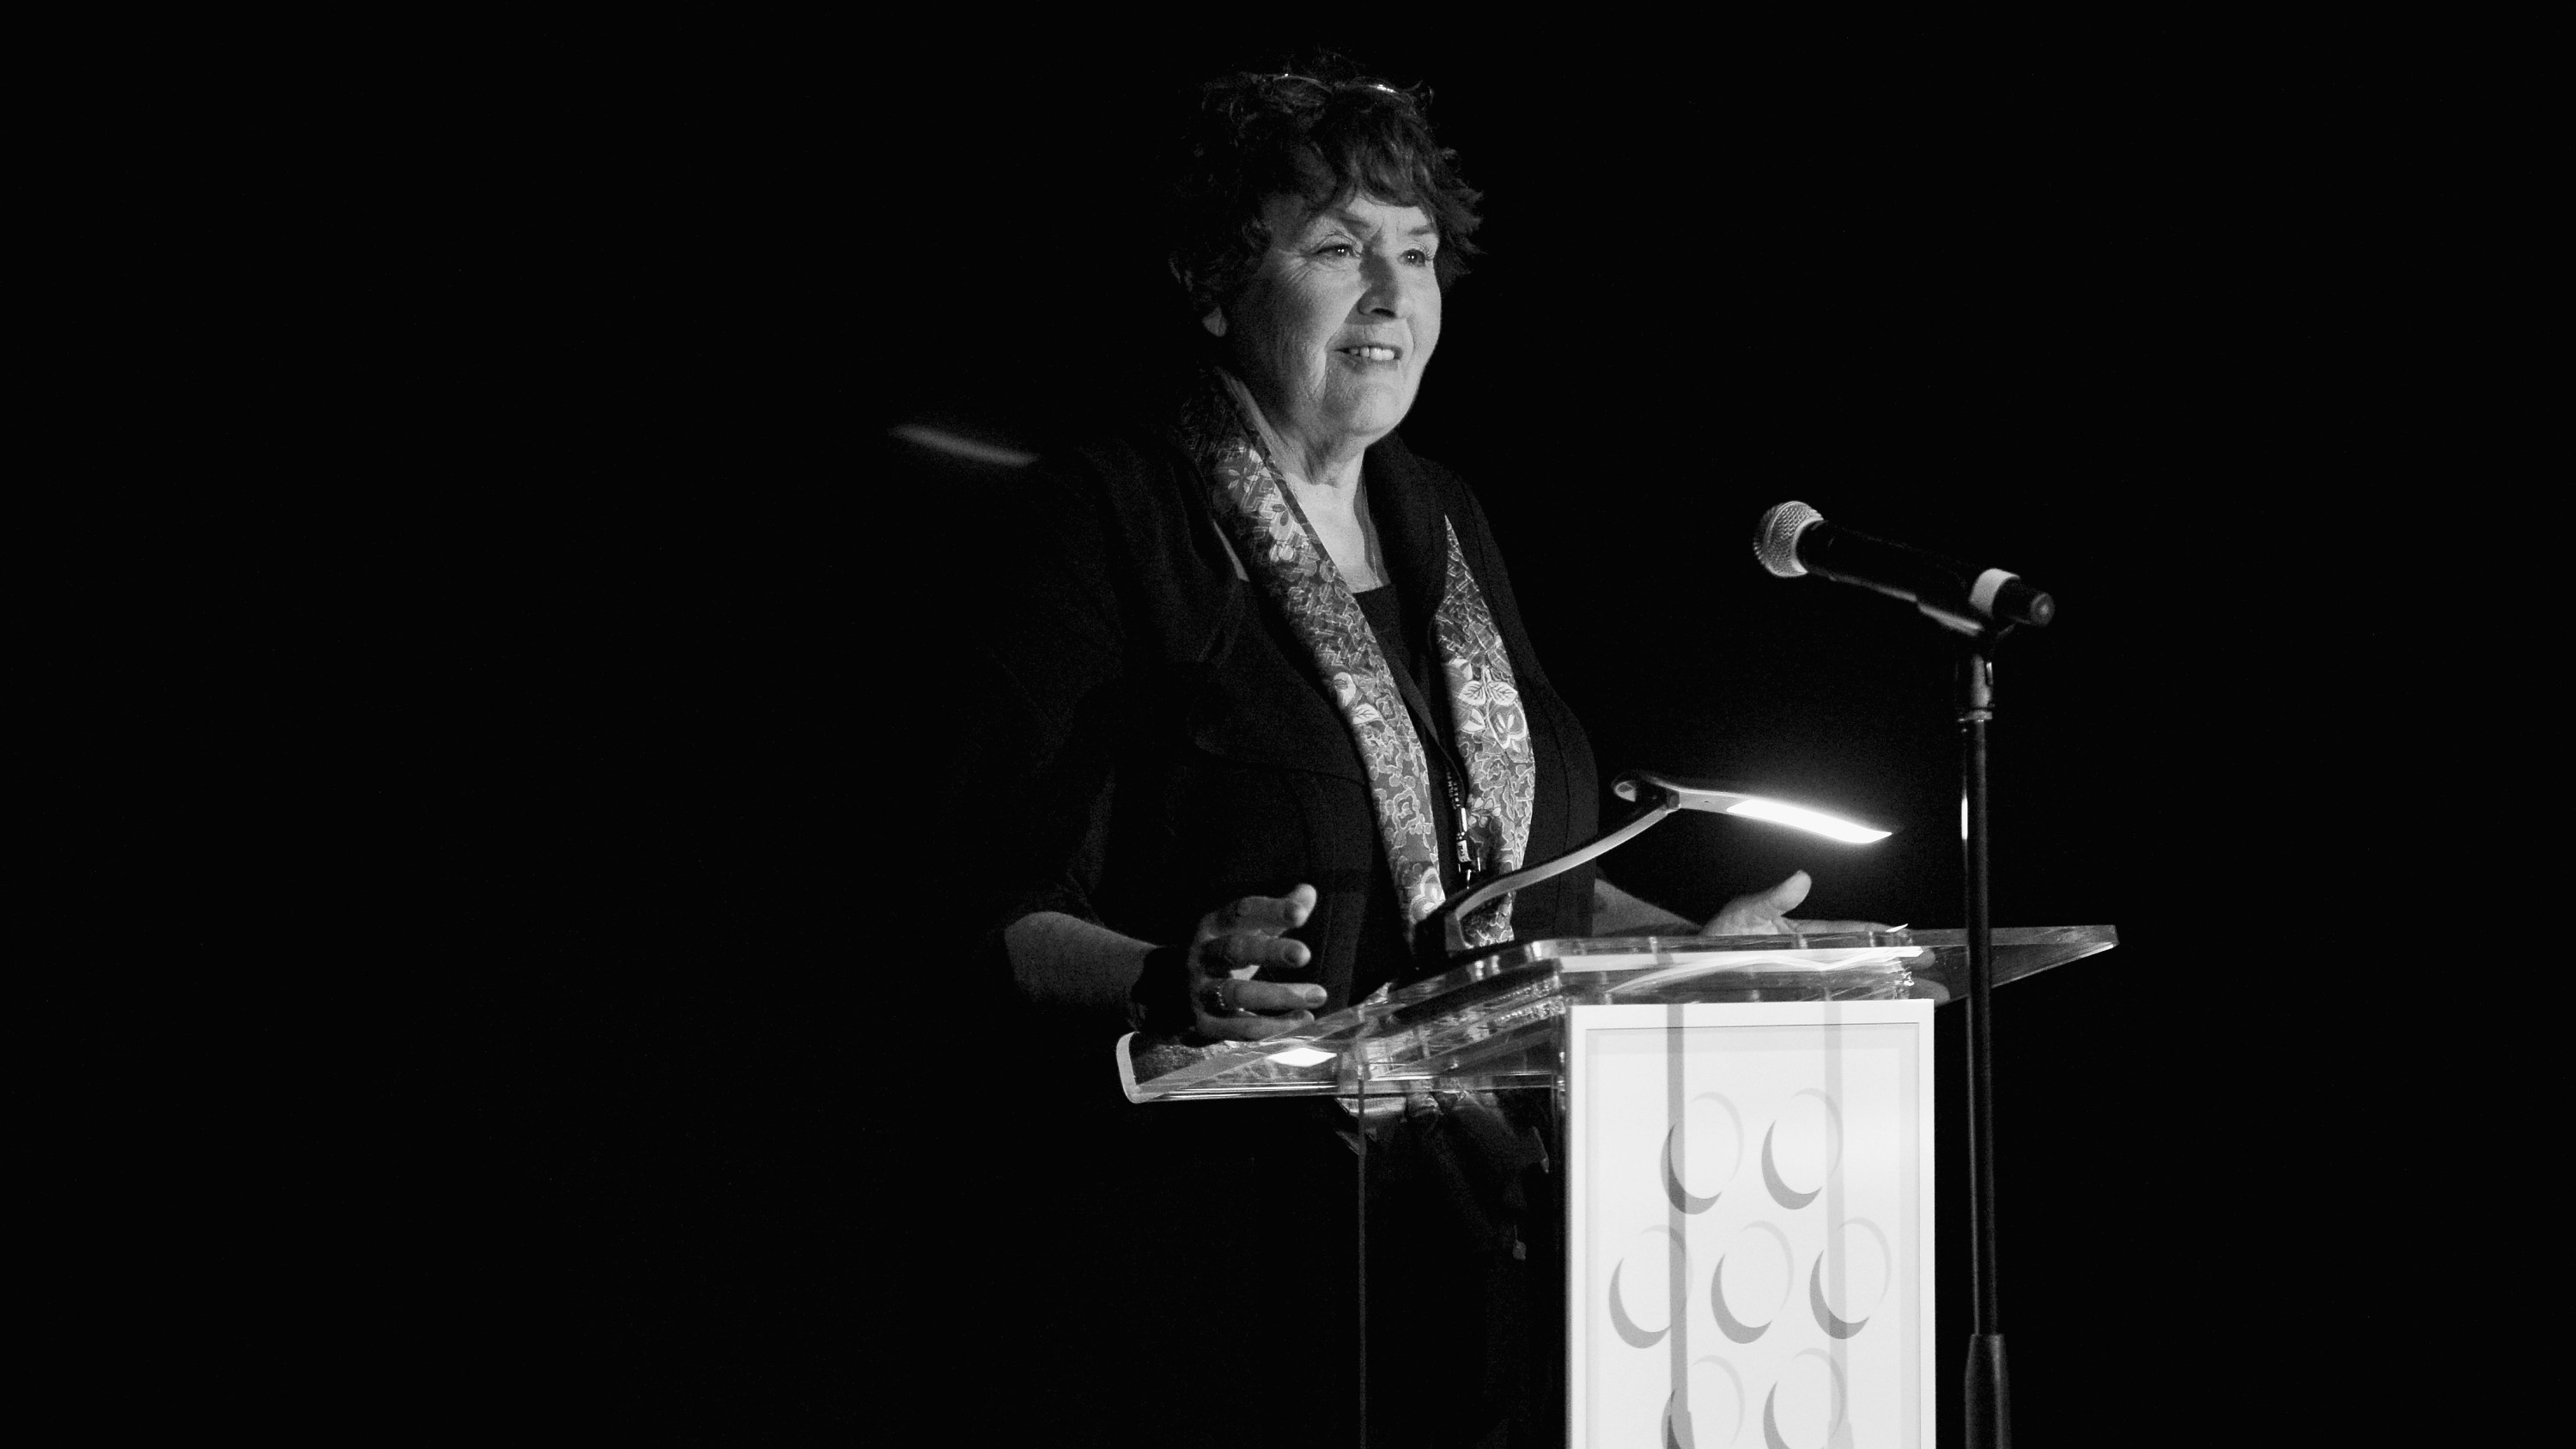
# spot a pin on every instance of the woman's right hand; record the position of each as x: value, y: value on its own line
x: 1232, y: 945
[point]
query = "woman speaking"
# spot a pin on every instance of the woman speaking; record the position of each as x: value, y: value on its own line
x: 1279, y: 703
x: 1264, y: 700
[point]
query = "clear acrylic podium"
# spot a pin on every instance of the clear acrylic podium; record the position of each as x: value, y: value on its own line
x: 1710, y: 1156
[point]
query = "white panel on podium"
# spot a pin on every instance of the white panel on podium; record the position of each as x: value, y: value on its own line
x: 1750, y: 1224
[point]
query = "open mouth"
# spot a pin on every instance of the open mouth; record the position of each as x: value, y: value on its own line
x: 1371, y: 353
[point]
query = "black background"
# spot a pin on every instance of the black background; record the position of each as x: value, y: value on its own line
x: 656, y: 613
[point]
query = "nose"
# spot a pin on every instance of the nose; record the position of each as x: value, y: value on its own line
x: 1384, y: 295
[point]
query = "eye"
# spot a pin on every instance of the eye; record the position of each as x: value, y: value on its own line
x: 1337, y: 248
x: 1416, y: 256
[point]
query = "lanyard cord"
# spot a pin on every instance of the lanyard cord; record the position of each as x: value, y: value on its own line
x: 1469, y: 866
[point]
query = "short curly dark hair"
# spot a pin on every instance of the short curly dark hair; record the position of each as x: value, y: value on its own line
x: 1325, y: 137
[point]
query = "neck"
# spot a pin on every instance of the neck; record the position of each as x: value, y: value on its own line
x: 1332, y: 467
x: 1326, y: 485
x: 1335, y: 470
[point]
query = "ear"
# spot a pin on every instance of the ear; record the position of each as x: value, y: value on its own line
x: 1214, y: 321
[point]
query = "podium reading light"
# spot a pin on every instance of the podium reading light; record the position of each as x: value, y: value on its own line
x: 1657, y: 796
x: 1780, y: 812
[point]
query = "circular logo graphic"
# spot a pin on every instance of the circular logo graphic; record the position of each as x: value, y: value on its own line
x: 1710, y: 1415
x: 1751, y: 1282
x: 1850, y: 1277
x: 1640, y: 1295
x: 1804, y: 1410
x: 1702, y: 1152
x: 1801, y: 1149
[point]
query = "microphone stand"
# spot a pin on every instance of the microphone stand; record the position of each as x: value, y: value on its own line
x: 1989, y: 1394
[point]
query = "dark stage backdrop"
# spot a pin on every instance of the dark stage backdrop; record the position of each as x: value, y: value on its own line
x: 673, y: 605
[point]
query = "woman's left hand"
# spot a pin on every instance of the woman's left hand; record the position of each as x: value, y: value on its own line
x: 1766, y: 913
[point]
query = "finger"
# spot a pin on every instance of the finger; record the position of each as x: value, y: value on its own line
x: 1276, y: 998
x: 1783, y: 898
x: 1735, y: 922
x: 1264, y: 914
x: 1230, y: 996
x: 1253, y: 1028
x: 1244, y: 953
x: 1759, y: 915
x: 1241, y: 1010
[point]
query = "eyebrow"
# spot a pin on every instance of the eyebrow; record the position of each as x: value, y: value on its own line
x: 1356, y: 223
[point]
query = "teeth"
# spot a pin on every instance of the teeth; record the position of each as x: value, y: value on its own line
x: 1372, y: 354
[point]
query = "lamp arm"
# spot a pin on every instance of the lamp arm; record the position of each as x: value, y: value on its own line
x: 1440, y: 934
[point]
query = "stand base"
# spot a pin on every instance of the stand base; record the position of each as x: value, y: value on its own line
x: 1989, y: 1393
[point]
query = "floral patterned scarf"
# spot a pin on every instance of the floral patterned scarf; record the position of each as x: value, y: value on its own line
x: 1261, y: 516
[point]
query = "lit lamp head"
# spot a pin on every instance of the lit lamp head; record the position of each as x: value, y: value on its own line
x: 1693, y: 795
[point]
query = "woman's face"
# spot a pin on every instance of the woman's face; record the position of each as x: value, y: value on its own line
x: 1333, y: 331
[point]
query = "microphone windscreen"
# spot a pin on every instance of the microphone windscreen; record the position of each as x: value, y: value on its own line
x: 1775, y: 539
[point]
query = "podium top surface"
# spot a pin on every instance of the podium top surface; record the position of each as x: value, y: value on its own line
x: 1490, y: 1021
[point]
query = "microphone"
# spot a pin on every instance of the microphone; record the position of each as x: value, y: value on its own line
x: 1793, y: 539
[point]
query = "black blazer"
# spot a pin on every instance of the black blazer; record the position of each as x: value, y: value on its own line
x: 1157, y: 743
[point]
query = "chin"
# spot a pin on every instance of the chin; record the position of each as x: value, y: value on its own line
x: 1379, y: 410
